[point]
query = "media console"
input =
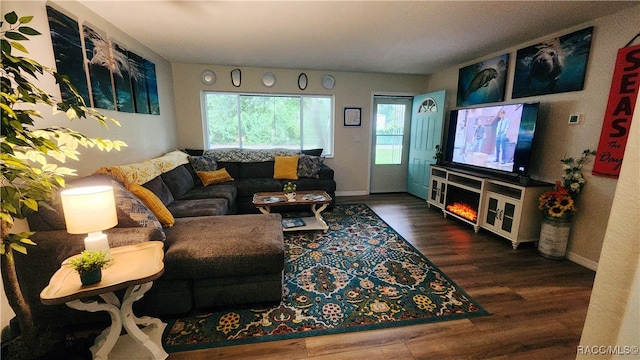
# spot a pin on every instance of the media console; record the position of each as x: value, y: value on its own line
x: 503, y: 206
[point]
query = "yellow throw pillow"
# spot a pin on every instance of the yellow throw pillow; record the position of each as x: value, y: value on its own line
x: 286, y: 167
x: 115, y: 172
x: 154, y: 203
x: 214, y: 177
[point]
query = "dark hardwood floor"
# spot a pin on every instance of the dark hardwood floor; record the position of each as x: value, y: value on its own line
x: 537, y: 306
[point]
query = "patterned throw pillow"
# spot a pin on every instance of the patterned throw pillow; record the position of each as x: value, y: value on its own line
x: 203, y: 163
x: 309, y: 166
x: 134, y: 210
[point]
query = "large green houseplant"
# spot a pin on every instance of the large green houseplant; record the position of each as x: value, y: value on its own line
x: 31, y: 156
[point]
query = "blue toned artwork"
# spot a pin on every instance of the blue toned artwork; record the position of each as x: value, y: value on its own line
x: 483, y: 82
x: 554, y: 66
x: 152, y: 87
x: 67, y: 49
x: 139, y: 83
x: 122, y: 79
x: 98, y: 51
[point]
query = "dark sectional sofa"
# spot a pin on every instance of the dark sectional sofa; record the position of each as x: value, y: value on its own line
x: 217, y: 252
x: 252, y: 171
x: 252, y: 176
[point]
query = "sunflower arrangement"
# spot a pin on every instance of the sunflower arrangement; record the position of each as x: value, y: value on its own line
x: 561, y: 201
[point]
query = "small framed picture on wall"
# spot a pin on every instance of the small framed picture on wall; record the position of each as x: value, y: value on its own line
x: 352, y: 116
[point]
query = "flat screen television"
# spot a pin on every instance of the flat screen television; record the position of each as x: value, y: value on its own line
x: 493, y: 138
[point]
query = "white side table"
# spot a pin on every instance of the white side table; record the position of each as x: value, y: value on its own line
x: 134, y: 268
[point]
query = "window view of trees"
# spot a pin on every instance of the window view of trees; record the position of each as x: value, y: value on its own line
x: 389, y: 134
x: 268, y: 121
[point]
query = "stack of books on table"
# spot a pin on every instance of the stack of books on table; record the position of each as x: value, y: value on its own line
x: 314, y: 197
x: 289, y: 223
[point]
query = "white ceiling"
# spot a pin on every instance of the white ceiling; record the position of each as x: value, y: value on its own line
x: 413, y: 37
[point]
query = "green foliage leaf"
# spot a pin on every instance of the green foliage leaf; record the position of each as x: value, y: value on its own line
x: 31, y: 204
x: 9, y: 110
x: 15, y: 36
x: 28, y: 30
x: 19, y: 46
x: 60, y: 179
x: 5, y: 46
x: 11, y: 17
x: 6, y: 217
x: 19, y: 248
x: 25, y: 239
x: 26, y: 20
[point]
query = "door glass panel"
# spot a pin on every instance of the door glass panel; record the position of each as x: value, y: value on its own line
x: 434, y: 190
x: 389, y: 134
x: 507, y: 224
x: 443, y: 189
x: 492, y: 211
x: 509, y: 210
x: 507, y: 221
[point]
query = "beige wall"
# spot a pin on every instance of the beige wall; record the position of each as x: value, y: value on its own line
x: 146, y: 135
x: 352, y: 144
x: 556, y: 139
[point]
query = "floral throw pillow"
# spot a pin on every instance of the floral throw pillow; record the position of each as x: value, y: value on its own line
x: 203, y: 163
x: 309, y: 166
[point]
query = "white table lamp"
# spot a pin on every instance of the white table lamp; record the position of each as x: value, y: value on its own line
x: 89, y: 210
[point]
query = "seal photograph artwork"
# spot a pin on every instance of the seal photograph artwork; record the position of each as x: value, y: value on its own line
x: 553, y: 66
x: 483, y: 82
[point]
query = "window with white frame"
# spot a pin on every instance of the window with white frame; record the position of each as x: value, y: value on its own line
x: 259, y: 121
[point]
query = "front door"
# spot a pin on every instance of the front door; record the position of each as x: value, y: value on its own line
x: 427, y: 117
x: 391, y: 117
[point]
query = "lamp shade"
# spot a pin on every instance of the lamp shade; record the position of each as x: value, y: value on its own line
x: 89, y: 209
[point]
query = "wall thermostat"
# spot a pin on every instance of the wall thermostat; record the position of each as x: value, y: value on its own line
x: 576, y: 118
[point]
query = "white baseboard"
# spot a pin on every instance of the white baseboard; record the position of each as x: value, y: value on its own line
x: 351, y: 193
x: 580, y: 260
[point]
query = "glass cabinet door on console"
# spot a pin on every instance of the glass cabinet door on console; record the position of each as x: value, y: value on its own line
x: 437, y: 192
x: 437, y: 188
x: 500, y: 215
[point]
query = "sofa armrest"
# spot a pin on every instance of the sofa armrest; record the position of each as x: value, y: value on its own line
x: 326, y: 172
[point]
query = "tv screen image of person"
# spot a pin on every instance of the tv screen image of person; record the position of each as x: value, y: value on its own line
x: 493, y: 137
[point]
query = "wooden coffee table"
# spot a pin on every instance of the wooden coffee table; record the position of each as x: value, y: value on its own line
x: 317, y: 199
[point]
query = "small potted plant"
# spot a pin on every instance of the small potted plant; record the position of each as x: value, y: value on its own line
x: 89, y: 265
x: 289, y: 191
x: 439, y: 155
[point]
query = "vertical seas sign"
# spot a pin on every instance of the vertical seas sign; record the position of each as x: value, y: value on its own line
x: 617, y: 119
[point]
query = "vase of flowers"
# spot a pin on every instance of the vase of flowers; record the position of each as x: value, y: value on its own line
x: 289, y: 190
x: 559, y: 207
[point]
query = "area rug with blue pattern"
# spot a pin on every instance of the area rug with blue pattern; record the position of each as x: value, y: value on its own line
x: 359, y: 275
